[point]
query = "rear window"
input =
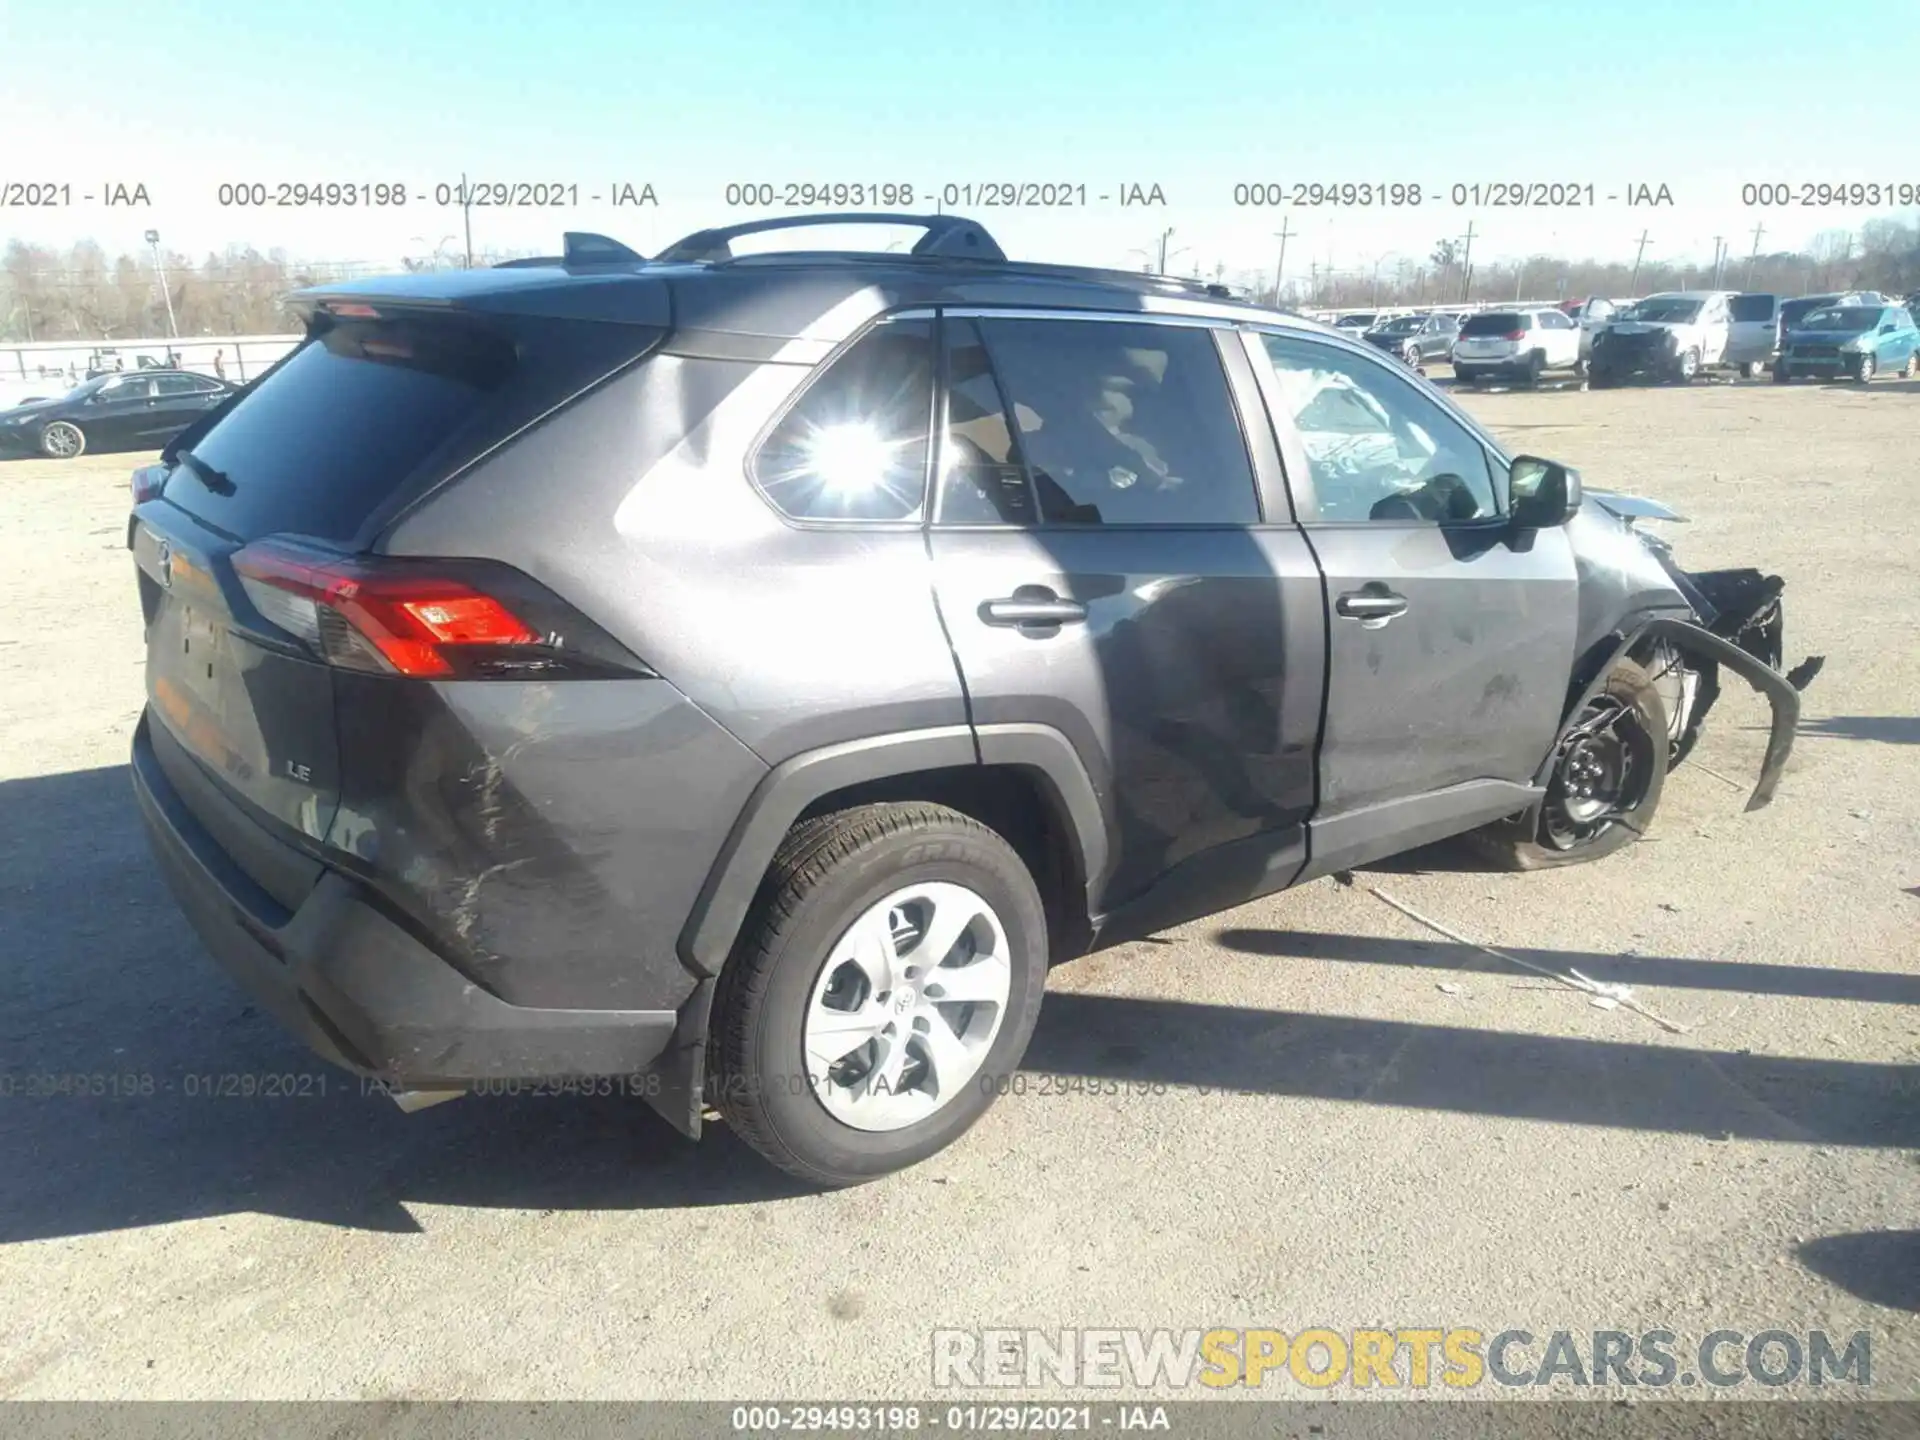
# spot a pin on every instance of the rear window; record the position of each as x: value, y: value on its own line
x: 1751, y: 307
x: 317, y: 444
x: 1498, y: 322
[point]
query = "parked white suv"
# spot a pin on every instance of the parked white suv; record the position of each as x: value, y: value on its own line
x: 1517, y: 344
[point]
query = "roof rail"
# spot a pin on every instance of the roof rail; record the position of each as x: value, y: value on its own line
x: 948, y: 236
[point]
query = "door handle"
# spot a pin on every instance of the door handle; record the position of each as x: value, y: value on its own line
x: 1373, y: 605
x: 1032, y: 606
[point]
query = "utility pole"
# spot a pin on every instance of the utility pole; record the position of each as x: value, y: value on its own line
x: 1284, y: 233
x: 1466, y: 264
x: 1634, y: 282
x: 1719, y: 258
x: 466, y: 212
x: 1165, y: 235
x: 166, y: 291
x: 1758, y: 231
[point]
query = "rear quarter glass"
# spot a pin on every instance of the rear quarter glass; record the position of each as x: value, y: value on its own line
x: 370, y: 412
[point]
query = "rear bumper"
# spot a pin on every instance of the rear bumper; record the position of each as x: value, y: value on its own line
x: 359, y: 989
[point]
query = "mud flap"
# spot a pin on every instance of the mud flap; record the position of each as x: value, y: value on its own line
x: 1702, y: 644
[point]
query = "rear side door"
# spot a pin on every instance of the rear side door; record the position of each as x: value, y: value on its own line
x: 1451, y: 639
x: 178, y: 400
x: 1115, y: 561
x: 1560, y: 338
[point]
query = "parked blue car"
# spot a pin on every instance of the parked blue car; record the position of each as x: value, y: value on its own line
x: 1855, y: 340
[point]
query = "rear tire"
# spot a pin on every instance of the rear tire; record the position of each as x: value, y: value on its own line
x: 1753, y: 369
x: 1782, y: 375
x: 1536, y: 363
x: 63, y: 440
x: 800, y: 957
x: 1554, y: 833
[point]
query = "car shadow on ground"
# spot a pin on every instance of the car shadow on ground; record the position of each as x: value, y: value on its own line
x: 116, y: 1031
x: 1892, y: 729
x: 1879, y: 1266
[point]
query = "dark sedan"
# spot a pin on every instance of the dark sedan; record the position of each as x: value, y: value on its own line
x: 1416, y: 339
x: 137, y: 410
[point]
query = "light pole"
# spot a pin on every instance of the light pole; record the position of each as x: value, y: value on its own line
x: 166, y: 291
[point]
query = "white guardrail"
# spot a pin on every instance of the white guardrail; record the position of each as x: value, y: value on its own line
x: 53, y: 367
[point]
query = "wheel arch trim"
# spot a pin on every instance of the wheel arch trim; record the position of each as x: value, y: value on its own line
x: 1695, y: 639
x: 787, y: 790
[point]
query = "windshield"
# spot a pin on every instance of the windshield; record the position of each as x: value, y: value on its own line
x: 1363, y: 318
x: 1665, y: 309
x: 86, y: 388
x: 1794, y: 311
x: 1850, y: 317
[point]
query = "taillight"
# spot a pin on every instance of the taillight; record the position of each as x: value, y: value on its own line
x: 1514, y: 335
x: 453, y: 619
x: 147, y: 483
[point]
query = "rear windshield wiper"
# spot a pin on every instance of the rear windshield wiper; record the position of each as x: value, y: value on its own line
x: 218, y: 481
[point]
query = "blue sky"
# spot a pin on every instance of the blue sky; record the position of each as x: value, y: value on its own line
x: 1195, y: 97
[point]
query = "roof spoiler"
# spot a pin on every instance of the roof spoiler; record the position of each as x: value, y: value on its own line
x: 948, y: 236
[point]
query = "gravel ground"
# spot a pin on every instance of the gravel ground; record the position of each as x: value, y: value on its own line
x: 1332, y: 1117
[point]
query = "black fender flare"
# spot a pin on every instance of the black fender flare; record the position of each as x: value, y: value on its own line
x: 785, y: 793
x: 1694, y: 639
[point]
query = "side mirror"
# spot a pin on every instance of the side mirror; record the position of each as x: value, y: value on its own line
x: 1545, y: 494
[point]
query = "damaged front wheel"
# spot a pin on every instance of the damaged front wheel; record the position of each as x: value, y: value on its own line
x: 1605, y: 784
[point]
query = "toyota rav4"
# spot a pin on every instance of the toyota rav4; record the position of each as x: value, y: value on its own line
x: 741, y: 675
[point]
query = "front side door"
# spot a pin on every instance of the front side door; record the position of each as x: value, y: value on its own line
x: 1451, y: 639
x: 116, y: 412
x: 1105, y: 568
x: 1714, y: 331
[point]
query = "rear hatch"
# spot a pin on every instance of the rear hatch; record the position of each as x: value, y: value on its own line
x: 1495, y: 333
x: 261, y: 541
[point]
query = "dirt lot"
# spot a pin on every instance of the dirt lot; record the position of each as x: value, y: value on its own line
x: 1340, y: 1120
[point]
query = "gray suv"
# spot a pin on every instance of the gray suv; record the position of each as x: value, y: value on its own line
x: 730, y: 680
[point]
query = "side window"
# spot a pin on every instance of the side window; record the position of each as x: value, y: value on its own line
x: 854, y: 446
x: 1090, y: 422
x: 1555, y: 320
x: 179, y: 385
x: 129, y: 388
x: 1377, y: 448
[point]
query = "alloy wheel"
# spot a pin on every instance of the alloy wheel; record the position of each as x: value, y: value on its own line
x: 62, y: 441
x: 907, y: 1006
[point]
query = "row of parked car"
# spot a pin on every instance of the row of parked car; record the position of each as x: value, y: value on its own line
x: 1672, y: 336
